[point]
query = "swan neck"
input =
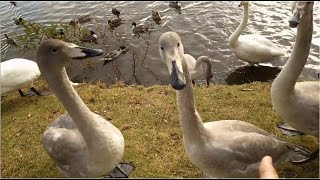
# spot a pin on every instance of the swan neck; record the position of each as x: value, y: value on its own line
x: 208, y: 65
x: 290, y: 73
x: 235, y: 35
x: 80, y: 113
x: 190, y: 121
x: 208, y: 70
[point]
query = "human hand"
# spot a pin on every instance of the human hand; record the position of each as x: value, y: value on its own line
x: 266, y: 169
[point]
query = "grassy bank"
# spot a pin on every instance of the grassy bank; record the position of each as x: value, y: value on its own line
x: 148, y: 119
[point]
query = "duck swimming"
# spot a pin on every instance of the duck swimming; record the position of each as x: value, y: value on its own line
x: 155, y: 16
x: 92, y: 37
x: 175, y: 4
x: 114, y: 54
x: 138, y: 29
x: 13, y: 3
x: 20, y: 21
x: 74, y: 22
x: 84, y: 18
x: 115, y: 12
x: 113, y: 23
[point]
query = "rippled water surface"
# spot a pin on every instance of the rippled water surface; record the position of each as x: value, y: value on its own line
x: 204, y: 28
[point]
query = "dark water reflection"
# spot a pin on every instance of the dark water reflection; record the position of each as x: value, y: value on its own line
x: 204, y: 27
x: 248, y: 74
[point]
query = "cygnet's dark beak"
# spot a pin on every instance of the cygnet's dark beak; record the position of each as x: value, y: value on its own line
x: 86, y: 53
x: 175, y: 76
x: 295, y: 19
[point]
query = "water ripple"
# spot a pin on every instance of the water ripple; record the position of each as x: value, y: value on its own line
x: 204, y: 27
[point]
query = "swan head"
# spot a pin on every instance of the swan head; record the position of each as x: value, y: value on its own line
x: 243, y: 3
x: 298, y: 10
x: 172, y: 53
x: 56, y: 53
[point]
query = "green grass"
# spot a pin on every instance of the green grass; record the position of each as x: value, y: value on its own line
x: 148, y: 119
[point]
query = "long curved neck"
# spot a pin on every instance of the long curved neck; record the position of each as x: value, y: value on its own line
x: 235, y: 35
x: 190, y: 120
x: 206, y: 61
x: 81, y: 115
x: 290, y: 73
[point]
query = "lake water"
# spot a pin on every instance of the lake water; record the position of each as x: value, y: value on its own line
x: 204, y: 28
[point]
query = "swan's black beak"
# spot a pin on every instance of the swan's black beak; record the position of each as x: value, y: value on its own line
x: 86, y: 53
x: 240, y: 4
x: 175, y: 81
x: 295, y: 19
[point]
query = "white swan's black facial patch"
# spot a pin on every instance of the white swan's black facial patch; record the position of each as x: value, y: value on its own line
x: 175, y: 82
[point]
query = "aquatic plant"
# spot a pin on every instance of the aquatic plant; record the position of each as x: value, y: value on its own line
x: 34, y: 33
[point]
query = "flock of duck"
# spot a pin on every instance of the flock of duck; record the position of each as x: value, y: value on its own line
x: 84, y: 144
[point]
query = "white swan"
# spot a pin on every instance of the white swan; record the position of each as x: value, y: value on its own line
x: 252, y: 48
x: 224, y: 148
x: 81, y: 143
x: 196, y: 68
x: 298, y: 102
x: 18, y: 73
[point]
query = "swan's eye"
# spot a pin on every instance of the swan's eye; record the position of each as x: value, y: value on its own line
x: 178, y: 44
x: 162, y: 48
x: 54, y: 50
